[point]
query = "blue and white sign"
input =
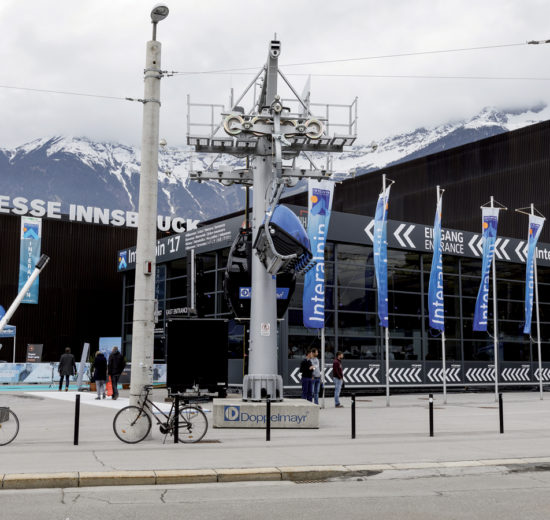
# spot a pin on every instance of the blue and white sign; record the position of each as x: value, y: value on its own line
x: 380, y: 253
x: 489, y: 231
x: 435, y: 289
x: 8, y: 331
x: 29, y: 254
x: 245, y: 293
x: 320, y: 195
x: 535, y: 228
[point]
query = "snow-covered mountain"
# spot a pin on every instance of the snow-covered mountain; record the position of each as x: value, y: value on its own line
x: 79, y: 171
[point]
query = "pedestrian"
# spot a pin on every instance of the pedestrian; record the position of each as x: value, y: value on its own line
x: 338, y: 378
x: 316, y: 375
x: 306, y: 369
x: 100, y: 374
x: 66, y: 368
x: 116, y: 366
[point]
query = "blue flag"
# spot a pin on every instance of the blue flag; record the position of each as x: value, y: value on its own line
x: 380, y: 253
x: 535, y: 228
x: 490, y: 222
x: 435, y: 288
x: 31, y: 235
x: 319, y: 208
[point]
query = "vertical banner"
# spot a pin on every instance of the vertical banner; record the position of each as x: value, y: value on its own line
x: 34, y: 353
x: 82, y: 365
x: 435, y: 288
x: 29, y: 254
x: 380, y: 247
x: 320, y: 195
x: 535, y: 228
x: 489, y: 224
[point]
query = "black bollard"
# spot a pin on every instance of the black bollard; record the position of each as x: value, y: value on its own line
x: 176, y: 418
x: 268, y: 420
x: 431, y: 415
x: 501, y: 413
x: 76, y: 418
x: 353, y: 416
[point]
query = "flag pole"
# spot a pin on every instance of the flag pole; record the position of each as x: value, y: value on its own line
x: 386, y: 329
x: 537, y: 311
x: 443, y: 353
x: 495, y: 317
x: 323, y: 366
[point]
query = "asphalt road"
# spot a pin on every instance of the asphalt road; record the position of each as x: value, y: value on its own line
x: 496, y: 492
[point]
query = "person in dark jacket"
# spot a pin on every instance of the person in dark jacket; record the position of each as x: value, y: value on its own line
x: 66, y: 368
x: 116, y: 366
x: 100, y: 374
x: 306, y: 370
x: 338, y: 378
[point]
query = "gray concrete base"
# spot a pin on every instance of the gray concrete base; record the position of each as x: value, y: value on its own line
x: 290, y: 413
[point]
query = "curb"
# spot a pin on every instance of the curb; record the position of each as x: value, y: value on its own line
x: 200, y: 476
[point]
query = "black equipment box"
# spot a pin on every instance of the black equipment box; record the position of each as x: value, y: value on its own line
x: 196, y: 355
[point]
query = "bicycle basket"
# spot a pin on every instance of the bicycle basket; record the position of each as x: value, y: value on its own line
x: 4, y: 414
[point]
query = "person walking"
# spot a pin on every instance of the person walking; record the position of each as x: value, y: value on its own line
x: 116, y: 366
x: 66, y: 368
x: 338, y: 378
x: 100, y: 374
x: 316, y: 374
x: 306, y: 369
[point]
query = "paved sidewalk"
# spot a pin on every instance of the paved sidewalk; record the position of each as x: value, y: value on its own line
x: 466, y: 432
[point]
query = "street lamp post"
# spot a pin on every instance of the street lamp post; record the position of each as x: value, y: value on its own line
x: 144, y: 295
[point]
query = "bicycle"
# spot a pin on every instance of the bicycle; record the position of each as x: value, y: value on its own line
x: 9, y: 425
x: 132, y: 424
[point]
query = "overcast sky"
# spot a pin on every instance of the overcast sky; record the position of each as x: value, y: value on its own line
x: 98, y: 47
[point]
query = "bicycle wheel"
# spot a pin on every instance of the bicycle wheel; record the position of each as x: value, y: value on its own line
x: 9, y: 429
x: 192, y: 424
x: 131, y: 424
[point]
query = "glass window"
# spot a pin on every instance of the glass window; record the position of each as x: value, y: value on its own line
x: 354, y: 276
x: 471, y: 267
x: 450, y: 263
x: 453, y: 351
x: 405, y: 326
x: 235, y: 339
x: 296, y: 320
x: 516, y: 351
x: 403, y: 280
x: 299, y: 344
x: 405, y: 349
x: 129, y: 294
x: 177, y: 268
x: 357, y: 324
x: 479, y: 350
x: 452, y: 329
x: 176, y: 287
x: 403, y: 260
x: 354, y: 254
x: 510, y: 290
x: 404, y: 303
x: 356, y: 300
x: 451, y: 284
x: 359, y: 347
x: 128, y: 313
x: 470, y: 286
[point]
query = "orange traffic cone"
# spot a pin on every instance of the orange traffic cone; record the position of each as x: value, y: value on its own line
x: 109, y: 386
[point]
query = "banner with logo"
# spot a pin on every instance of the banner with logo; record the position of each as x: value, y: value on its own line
x: 435, y: 288
x: 29, y: 254
x: 489, y: 226
x: 320, y: 195
x: 535, y: 228
x: 380, y: 253
x: 34, y: 352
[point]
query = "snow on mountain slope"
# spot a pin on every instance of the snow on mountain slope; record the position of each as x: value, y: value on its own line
x: 78, y: 170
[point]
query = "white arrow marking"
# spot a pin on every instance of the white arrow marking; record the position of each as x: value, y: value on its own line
x: 503, y: 249
x: 396, y: 235
x: 519, y: 249
x: 471, y: 246
x: 480, y: 245
x: 294, y: 376
x: 497, y: 252
x: 368, y: 230
x: 407, y: 238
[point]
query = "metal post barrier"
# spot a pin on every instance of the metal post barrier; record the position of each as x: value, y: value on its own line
x: 353, y: 416
x: 76, y: 418
x: 176, y: 418
x: 501, y: 413
x: 268, y: 420
x: 431, y: 415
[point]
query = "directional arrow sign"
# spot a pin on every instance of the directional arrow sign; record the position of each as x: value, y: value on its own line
x: 405, y: 237
x: 368, y: 230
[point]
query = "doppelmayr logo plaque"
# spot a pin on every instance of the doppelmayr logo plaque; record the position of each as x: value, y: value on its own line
x: 231, y: 413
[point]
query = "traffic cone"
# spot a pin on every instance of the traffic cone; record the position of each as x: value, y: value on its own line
x: 109, y: 387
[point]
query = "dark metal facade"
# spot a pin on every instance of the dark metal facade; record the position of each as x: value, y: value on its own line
x: 80, y: 289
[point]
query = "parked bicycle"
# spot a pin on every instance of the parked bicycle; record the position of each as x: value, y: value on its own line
x: 132, y: 424
x: 9, y: 425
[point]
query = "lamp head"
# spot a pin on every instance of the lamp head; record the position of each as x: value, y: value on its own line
x: 159, y: 12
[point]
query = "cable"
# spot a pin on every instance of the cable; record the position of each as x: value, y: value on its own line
x: 382, y: 56
x: 66, y: 93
